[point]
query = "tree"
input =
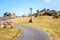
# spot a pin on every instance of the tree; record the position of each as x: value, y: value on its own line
x: 38, y: 12
x: 35, y: 14
x: 59, y: 13
x: 43, y: 12
x: 24, y: 15
x: 55, y: 16
x: 6, y: 13
x: 53, y: 12
x: 48, y: 9
x: 16, y: 16
x: 19, y: 16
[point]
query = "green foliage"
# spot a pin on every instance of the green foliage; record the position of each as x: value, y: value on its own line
x: 35, y: 14
x: 56, y: 16
x: 11, y: 26
x: 59, y: 14
x: 9, y: 13
x: 17, y: 16
x: 47, y: 12
x: 5, y: 14
x: 24, y: 15
x: 5, y: 26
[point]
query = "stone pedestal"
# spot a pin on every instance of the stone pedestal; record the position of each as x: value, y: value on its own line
x: 30, y: 15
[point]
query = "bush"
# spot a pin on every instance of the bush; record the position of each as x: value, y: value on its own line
x: 5, y: 26
x: 11, y: 26
x: 35, y: 14
x: 59, y: 14
x: 56, y: 16
x: 24, y: 15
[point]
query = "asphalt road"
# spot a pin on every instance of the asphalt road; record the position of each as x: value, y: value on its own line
x: 29, y: 33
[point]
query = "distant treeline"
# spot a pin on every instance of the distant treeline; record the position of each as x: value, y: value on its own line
x: 47, y: 12
x: 43, y: 12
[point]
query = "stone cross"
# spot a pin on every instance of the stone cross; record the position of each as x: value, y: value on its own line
x: 30, y: 15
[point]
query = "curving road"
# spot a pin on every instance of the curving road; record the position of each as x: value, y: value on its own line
x: 29, y: 33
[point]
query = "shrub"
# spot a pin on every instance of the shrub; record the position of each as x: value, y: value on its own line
x: 55, y: 16
x: 35, y: 14
x: 5, y: 27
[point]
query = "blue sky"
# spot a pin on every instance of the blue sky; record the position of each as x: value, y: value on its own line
x: 21, y: 7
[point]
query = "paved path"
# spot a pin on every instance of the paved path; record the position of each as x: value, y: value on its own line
x: 29, y: 33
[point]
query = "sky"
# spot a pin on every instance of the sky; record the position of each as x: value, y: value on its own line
x: 21, y: 7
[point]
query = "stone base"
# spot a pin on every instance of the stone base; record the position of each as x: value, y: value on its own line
x: 30, y: 21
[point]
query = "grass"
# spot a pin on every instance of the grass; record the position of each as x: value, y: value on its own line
x: 51, y: 26
x: 9, y: 33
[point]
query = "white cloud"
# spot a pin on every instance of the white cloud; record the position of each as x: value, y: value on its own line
x: 47, y: 1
